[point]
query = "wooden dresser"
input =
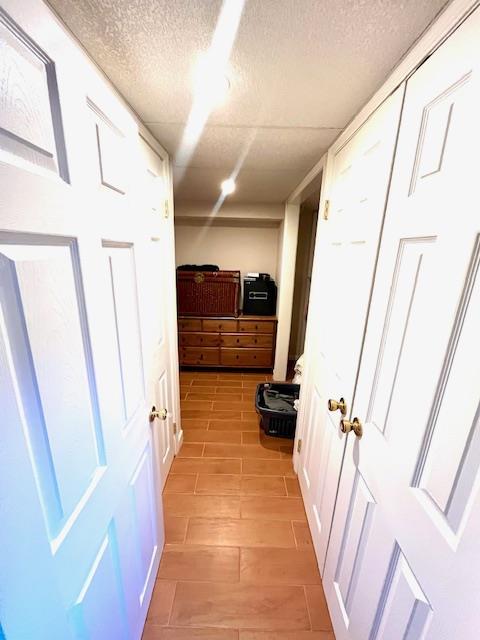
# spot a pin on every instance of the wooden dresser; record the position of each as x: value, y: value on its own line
x: 247, y: 341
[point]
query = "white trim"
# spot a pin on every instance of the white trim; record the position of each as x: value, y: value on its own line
x: 445, y: 23
x: 297, y: 193
x: 172, y: 316
x: 286, y: 278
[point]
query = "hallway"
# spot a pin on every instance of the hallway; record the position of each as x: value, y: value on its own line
x: 238, y: 562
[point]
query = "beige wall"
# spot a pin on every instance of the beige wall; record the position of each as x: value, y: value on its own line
x: 244, y: 247
x: 185, y: 209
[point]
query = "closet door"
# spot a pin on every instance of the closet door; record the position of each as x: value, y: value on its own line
x: 80, y: 534
x: 345, y: 259
x: 403, y: 558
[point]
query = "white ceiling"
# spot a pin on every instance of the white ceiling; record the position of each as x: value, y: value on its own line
x: 299, y: 71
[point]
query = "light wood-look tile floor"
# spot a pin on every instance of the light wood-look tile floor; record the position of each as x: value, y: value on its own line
x: 238, y: 562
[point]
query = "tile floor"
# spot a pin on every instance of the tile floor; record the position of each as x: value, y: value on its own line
x: 238, y: 562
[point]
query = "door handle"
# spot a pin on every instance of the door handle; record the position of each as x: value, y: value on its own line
x: 356, y: 426
x: 161, y: 415
x: 341, y: 406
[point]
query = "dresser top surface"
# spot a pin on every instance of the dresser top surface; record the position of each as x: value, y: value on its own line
x: 240, y: 317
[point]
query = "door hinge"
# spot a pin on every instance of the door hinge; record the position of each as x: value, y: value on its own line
x: 174, y: 428
x: 166, y: 210
x: 299, y: 446
x: 326, y: 209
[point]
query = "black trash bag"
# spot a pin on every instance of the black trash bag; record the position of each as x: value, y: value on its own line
x: 198, y: 267
x: 278, y: 401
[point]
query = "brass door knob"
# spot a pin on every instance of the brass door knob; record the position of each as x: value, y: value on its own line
x: 356, y: 426
x: 341, y: 406
x: 161, y: 415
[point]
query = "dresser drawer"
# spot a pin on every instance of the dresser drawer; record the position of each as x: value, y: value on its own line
x: 199, y: 339
x: 190, y: 324
x: 199, y: 355
x: 247, y: 340
x: 246, y: 357
x: 256, y: 326
x: 220, y: 325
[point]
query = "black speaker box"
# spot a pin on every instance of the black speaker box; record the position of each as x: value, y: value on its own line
x: 259, y: 296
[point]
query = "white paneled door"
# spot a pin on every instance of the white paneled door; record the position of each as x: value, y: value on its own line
x: 83, y: 352
x: 404, y: 557
x: 359, y: 171
x: 158, y: 290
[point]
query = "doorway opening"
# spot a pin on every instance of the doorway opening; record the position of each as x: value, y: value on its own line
x: 307, y: 231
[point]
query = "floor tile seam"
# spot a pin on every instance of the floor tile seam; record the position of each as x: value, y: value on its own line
x: 197, y: 581
x: 172, y: 603
x: 268, y: 496
x: 270, y: 584
x: 241, y: 582
x: 307, y: 606
x: 253, y: 546
x: 239, y: 519
x: 229, y: 458
x: 229, y: 495
x: 229, y: 582
x: 294, y: 536
x: 186, y: 529
x: 182, y: 627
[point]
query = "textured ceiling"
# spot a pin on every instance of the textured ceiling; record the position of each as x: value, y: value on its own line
x: 299, y: 70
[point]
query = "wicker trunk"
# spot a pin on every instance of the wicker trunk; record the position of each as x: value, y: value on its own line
x: 208, y: 293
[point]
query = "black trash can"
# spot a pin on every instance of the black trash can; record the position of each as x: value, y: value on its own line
x: 277, y: 422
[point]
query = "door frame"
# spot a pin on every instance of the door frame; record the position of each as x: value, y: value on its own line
x: 171, y: 311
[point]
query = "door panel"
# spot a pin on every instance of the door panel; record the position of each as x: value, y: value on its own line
x: 322, y: 449
x: 355, y: 535
x: 165, y: 432
x: 403, y: 607
x: 409, y: 260
x: 344, y: 265
x: 31, y: 128
x: 124, y: 302
x: 417, y: 393
x: 78, y: 333
x: 142, y: 493
x: 87, y: 616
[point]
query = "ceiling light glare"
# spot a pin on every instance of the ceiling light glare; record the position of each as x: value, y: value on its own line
x: 211, y: 83
x: 228, y: 187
